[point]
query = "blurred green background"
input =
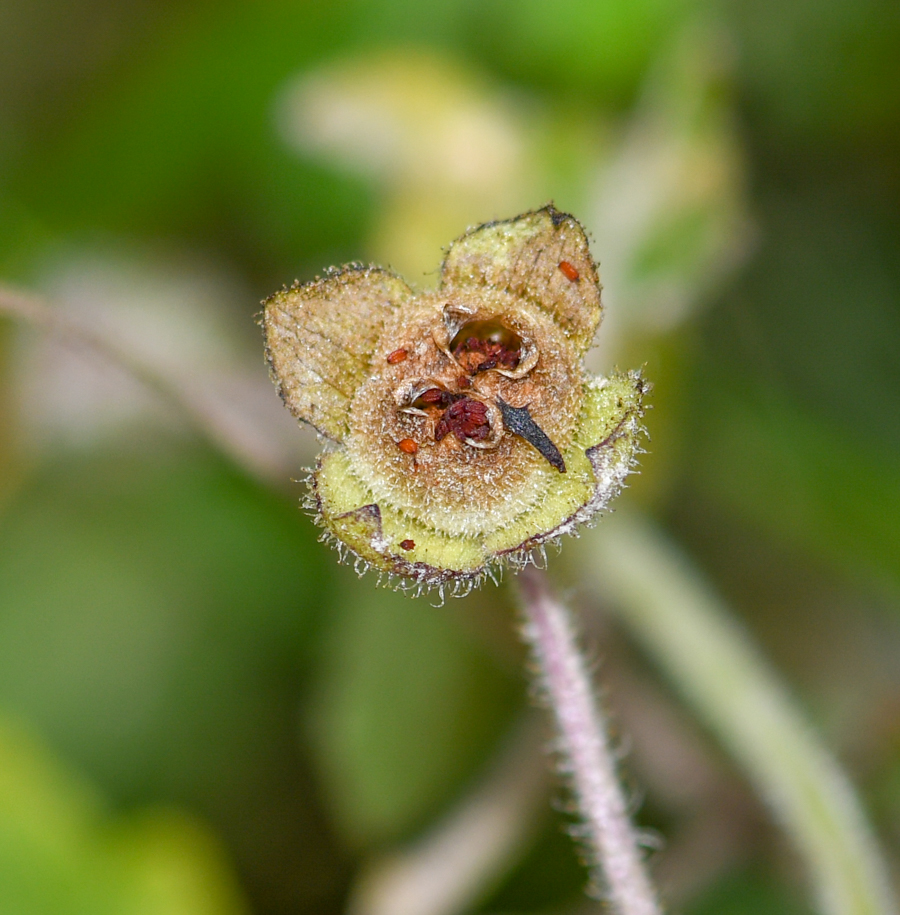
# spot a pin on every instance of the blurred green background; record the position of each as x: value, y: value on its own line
x: 200, y: 710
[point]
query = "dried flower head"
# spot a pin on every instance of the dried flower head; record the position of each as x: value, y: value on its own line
x: 463, y: 431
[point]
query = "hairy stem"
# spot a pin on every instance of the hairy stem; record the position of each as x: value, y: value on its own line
x: 610, y: 837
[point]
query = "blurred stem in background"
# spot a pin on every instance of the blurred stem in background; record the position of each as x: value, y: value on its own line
x: 463, y: 855
x: 192, y: 397
x: 631, y: 567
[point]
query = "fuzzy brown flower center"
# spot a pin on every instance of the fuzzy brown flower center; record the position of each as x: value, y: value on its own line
x: 465, y: 410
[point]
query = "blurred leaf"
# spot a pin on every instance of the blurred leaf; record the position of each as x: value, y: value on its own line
x: 157, y: 612
x: 600, y: 50
x: 796, y: 394
x: 444, y: 147
x: 803, y: 479
x: 816, y: 313
x: 820, y: 73
x: 182, y: 140
x: 747, y: 893
x: 143, y: 592
x: 408, y: 705
x: 8, y: 450
x: 61, y: 853
x: 669, y: 211
x: 887, y: 791
x: 551, y: 871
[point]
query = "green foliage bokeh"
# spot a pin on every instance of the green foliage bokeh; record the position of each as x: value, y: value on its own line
x: 170, y: 628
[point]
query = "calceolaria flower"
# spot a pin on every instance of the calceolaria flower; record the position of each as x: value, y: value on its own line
x: 462, y: 430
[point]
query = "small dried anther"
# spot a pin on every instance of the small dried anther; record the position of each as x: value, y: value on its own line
x: 377, y: 368
x: 518, y: 421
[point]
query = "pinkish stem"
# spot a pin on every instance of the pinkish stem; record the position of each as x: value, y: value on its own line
x: 587, y: 759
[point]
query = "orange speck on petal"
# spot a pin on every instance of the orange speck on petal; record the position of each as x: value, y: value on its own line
x: 407, y: 446
x: 397, y: 356
x: 569, y: 271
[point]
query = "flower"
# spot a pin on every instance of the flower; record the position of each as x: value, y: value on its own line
x: 462, y: 430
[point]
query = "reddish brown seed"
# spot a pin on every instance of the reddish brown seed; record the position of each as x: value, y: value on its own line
x: 466, y: 419
x: 432, y: 395
x: 407, y: 446
x: 407, y: 544
x: 483, y: 345
x: 569, y: 271
x: 397, y: 356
